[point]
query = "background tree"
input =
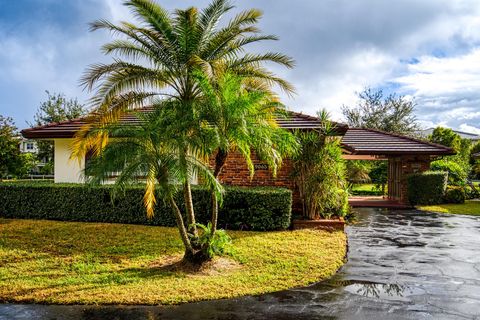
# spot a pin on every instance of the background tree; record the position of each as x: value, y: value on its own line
x: 393, y: 113
x: 475, y: 162
x: 458, y: 166
x: 12, y: 161
x: 358, y: 172
x: 446, y: 137
x: 56, y: 108
x: 158, y: 58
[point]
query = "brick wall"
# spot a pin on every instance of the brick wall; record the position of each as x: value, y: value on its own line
x: 408, y: 165
x: 235, y: 172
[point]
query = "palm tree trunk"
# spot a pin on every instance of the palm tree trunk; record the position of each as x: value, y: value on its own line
x: 181, y: 228
x: 187, y: 194
x: 220, y: 159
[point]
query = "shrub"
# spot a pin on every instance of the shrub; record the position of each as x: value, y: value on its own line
x: 455, y: 194
x: 427, y: 187
x: 456, y: 173
x: 320, y: 173
x: 243, y: 208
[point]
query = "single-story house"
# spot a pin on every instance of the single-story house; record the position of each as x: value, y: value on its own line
x: 406, y: 155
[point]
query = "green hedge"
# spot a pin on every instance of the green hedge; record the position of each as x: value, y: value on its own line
x: 243, y: 208
x: 427, y: 187
x: 455, y: 194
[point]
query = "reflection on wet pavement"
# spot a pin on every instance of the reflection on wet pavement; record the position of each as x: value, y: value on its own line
x: 402, y: 265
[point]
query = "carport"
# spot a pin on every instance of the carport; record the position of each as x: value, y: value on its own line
x: 405, y: 155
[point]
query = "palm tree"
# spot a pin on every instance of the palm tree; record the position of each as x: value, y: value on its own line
x: 143, y: 153
x: 244, y: 121
x: 158, y: 58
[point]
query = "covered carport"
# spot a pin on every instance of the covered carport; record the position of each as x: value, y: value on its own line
x: 405, y: 156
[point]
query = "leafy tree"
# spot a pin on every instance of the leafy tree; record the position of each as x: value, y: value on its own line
x: 320, y: 172
x: 56, y: 108
x: 379, y: 174
x: 244, y: 121
x: 457, y: 165
x: 457, y: 174
x: 12, y: 161
x: 158, y: 58
x: 475, y: 162
x: 374, y: 110
x: 446, y: 137
x: 357, y: 171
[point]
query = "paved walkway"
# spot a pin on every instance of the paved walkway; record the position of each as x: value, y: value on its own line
x: 402, y: 265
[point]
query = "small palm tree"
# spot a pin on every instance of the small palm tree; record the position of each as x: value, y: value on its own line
x: 141, y: 152
x: 158, y: 58
x: 244, y: 120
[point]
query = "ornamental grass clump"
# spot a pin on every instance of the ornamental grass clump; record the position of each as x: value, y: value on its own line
x: 320, y: 172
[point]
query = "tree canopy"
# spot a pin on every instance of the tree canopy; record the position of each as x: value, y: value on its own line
x: 392, y: 113
x: 56, y: 108
x: 12, y: 161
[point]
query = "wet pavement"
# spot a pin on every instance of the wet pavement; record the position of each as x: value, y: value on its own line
x: 401, y: 265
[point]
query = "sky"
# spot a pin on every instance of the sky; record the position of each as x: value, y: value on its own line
x: 428, y: 50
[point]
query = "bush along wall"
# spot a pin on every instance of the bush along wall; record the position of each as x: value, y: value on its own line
x: 261, y: 208
x: 427, y: 188
x: 455, y: 194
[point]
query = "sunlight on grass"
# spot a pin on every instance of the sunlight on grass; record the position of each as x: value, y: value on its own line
x: 96, y: 263
x: 469, y: 208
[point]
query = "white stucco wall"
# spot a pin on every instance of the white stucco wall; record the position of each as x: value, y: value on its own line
x: 66, y: 170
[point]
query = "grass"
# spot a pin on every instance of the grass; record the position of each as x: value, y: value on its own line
x: 97, y: 263
x: 470, y: 207
x: 366, y: 189
x: 363, y: 187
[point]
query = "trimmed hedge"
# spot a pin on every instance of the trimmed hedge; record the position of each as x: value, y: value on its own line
x: 427, y: 188
x: 262, y: 208
x: 455, y: 194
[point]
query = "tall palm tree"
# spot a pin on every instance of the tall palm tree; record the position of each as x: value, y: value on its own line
x: 244, y: 121
x: 157, y: 58
x: 141, y: 152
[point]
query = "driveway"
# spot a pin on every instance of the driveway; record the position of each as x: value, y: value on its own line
x: 401, y: 265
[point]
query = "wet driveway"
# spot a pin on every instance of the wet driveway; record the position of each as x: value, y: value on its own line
x: 402, y: 265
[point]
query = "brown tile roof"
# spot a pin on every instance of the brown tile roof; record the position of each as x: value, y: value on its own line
x: 375, y: 142
x: 67, y: 129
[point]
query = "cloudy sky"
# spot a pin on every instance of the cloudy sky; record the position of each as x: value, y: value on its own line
x: 429, y: 50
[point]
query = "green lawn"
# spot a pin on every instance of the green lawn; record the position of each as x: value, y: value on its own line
x: 469, y: 207
x: 95, y: 263
x: 364, y: 187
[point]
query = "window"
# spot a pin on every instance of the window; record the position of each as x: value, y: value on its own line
x: 29, y: 145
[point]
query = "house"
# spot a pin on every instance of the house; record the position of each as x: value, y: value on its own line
x: 476, y: 155
x: 405, y: 154
x: 31, y: 146
x: 464, y: 135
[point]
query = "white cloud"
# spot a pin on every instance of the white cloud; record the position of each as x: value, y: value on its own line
x: 467, y: 128
x: 340, y: 47
x: 447, y: 89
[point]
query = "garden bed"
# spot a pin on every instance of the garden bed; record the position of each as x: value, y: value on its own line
x: 324, y: 224
x: 99, y: 263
